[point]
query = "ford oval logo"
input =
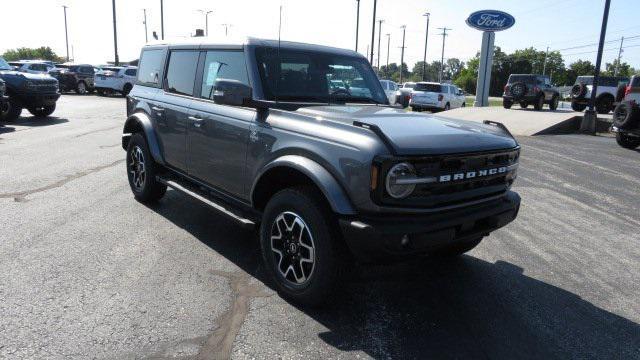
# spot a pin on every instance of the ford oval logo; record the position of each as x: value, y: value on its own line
x: 491, y: 20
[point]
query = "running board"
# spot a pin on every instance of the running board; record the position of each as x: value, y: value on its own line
x: 244, y: 222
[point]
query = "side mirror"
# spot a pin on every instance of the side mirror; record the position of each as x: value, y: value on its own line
x: 231, y: 92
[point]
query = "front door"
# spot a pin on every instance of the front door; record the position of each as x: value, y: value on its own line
x: 218, y: 134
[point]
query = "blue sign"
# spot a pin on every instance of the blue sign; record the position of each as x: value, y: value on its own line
x: 490, y: 20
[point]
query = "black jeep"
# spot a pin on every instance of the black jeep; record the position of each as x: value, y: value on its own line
x: 528, y: 89
x: 73, y: 77
x: 626, y: 124
x: 37, y: 93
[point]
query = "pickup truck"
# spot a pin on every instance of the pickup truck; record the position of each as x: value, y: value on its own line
x: 38, y: 93
x: 326, y: 177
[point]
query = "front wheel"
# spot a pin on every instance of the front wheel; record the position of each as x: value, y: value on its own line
x: 539, y: 103
x: 447, y: 107
x: 81, y: 88
x: 301, y: 245
x: 524, y: 104
x: 43, y: 111
x: 11, y: 111
x: 553, y: 106
x: 627, y: 141
x: 578, y: 107
x: 142, y: 171
x: 507, y: 103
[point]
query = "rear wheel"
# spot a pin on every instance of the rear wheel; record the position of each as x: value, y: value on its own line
x: 11, y: 111
x: 553, y: 105
x: 301, y: 246
x: 43, y: 111
x: 524, y: 104
x: 627, y: 141
x: 539, y: 104
x: 126, y: 89
x: 142, y: 171
x: 81, y: 88
x: 604, y: 105
x: 447, y: 107
x: 578, y: 107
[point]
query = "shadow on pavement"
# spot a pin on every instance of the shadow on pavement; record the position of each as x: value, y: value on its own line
x: 461, y: 308
x: 39, y: 121
x: 6, y: 129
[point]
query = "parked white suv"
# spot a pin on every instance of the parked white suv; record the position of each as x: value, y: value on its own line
x: 390, y: 88
x: 32, y: 67
x: 436, y: 97
x: 606, y: 95
x: 115, y: 79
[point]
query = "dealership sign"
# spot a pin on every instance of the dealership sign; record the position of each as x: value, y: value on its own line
x: 490, y: 20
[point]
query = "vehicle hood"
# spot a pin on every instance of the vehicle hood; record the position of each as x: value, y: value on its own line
x: 418, y: 134
x: 16, y: 75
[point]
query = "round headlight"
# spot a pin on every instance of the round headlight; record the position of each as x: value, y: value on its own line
x: 394, y: 187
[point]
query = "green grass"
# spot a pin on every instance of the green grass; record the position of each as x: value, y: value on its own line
x: 492, y: 101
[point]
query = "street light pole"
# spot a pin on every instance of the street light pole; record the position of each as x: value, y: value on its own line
x: 388, y: 48
x: 373, y: 29
x: 146, y: 32
x: 404, y: 31
x: 426, y: 41
x: 590, y: 118
x: 357, y: 23
x: 379, y: 39
x: 115, y: 34
x: 66, y: 33
x: 206, y: 20
x: 162, y: 19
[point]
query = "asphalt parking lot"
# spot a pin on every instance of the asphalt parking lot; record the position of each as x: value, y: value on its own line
x: 87, y: 272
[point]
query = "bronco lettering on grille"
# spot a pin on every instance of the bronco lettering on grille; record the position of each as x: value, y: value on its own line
x: 472, y: 174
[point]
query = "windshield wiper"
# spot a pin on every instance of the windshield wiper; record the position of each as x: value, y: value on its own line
x: 363, y: 100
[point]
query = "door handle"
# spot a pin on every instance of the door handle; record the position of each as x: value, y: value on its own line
x: 197, y: 121
x: 157, y: 109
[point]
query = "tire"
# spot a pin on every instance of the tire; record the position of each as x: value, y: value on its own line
x: 456, y: 249
x: 622, y: 89
x: 518, y: 90
x: 464, y: 104
x: 539, y: 104
x: 142, y: 179
x: 100, y: 92
x: 81, y: 88
x: 11, y: 112
x: 126, y: 89
x: 553, y: 105
x: 416, y: 109
x: 578, y: 107
x: 604, y: 104
x: 578, y: 91
x: 91, y: 90
x: 302, y: 212
x: 43, y: 111
x: 507, y: 103
x: 447, y: 107
x: 627, y: 141
x: 524, y: 104
x: 626, y: 115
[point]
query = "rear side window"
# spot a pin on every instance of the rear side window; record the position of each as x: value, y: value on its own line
x: 181, y: 73
x: 635, y: 81
x: 151, y: 64
x: 222, y: 65
x: 428, y: 87
x: 130, y: 72
x: 527, y: 79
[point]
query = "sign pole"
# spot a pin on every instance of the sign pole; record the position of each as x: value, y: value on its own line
x: 484, y: 70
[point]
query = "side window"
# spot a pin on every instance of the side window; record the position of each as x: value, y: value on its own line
x: 221, y: 65
x: 151, y: 63
x: 130, y: 72
x: 181, y: 73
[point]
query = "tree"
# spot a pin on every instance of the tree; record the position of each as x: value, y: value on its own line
x: 41, y: 53
x: 579, y: 68
x: 624, y: 69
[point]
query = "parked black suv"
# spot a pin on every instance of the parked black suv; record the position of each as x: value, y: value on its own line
x: 37, y: 93
x: 626, y: 124
x: 329, y: 176
x: 526, y: 89
x: 73, y: 77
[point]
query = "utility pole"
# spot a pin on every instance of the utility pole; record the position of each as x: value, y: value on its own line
x: 162, y: 19
x: 66, y: 33
x: 373, y: 29
x: 444, y: 36
x: 426, y: 40
x: 115, y: 33
x: 544, y: 67
x: 619, y: 57
x: 226, y: 29
x: 404, y: 31
x: 146, y: 33
x: 379, y: 39
x: 357, y: 23
x: 206, y: 20
x: 388, y: 48
x: 589, y: 120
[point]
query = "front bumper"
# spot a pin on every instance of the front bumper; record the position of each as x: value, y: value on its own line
x: 35, y: 100
x: 392, y: 237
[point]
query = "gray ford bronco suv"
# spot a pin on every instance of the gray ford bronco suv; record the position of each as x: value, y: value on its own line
x: 328, y: 177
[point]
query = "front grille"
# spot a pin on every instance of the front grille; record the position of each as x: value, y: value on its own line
x: 44, y: 86
x: 451, y: 189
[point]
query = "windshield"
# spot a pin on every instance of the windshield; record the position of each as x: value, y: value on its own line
x: 409, y: 85
x: 308, y: 76
x: 4, y: 65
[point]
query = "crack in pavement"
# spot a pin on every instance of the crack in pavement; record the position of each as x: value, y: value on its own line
x: 109, y: 146
x: 21, y: 196
x: 220, y: 343
x: 96, y: 131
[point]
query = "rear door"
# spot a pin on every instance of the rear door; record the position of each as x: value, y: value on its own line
x: 427, y: 94
x: 218, y: 135
x: 171, y: 108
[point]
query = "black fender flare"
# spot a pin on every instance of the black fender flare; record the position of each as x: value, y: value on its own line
x: 141, y: 122
x: 322, y: 178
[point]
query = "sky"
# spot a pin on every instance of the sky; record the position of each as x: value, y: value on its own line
x: 571, y: 26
